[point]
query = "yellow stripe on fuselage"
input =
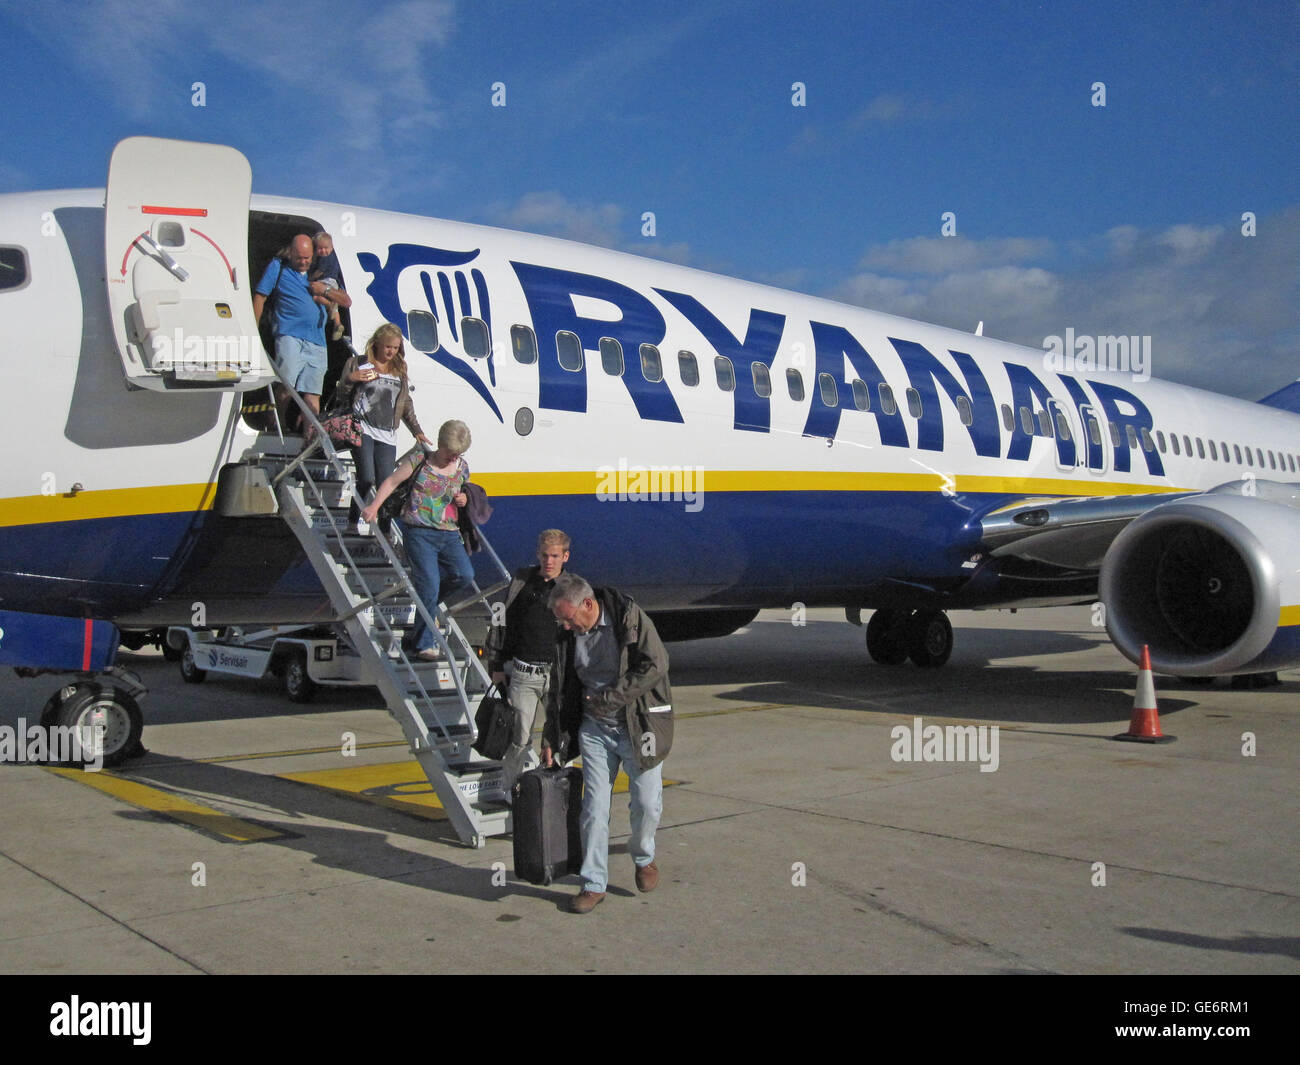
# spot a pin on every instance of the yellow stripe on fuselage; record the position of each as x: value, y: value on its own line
x: 702, y: 478
x: 1288, y: 615
x: 110, y: 503
x: 187, y: 498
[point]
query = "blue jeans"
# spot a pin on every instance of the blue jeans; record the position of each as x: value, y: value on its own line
x: 439, y: 567
x: 604, y: 746
x: 374, y: 462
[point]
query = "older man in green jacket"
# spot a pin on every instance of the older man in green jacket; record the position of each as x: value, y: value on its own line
x: 611, y: 702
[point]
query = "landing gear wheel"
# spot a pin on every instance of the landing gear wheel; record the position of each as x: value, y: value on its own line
x: 886, y: 637
x: 190, y: 672
x: 929, y: 638
x: 107, y: 720
x: 298, y: 685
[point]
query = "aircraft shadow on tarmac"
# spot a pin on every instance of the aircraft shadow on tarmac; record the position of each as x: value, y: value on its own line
x: 784, y: 668
x: 294, y: 810
x: 1286, y: 946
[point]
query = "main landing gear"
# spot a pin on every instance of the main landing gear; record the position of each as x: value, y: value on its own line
x: 924, y: 636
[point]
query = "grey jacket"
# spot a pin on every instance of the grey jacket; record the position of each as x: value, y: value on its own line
x: 642, y: 692
x: 405, y: 409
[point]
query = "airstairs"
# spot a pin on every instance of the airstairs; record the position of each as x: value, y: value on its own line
x: 375, y: 603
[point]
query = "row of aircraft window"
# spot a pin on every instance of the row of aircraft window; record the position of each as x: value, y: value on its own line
x: 1035, y: 423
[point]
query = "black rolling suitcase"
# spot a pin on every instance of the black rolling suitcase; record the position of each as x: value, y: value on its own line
x: 546, y: 805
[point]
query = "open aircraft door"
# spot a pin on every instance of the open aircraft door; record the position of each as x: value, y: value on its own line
x: 176, y: 251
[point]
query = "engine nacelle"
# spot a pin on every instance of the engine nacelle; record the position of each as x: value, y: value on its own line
x: 1210, y: 584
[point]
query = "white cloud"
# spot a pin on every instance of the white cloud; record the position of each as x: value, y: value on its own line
x: 360, y: 70
x: 940, y: 255
x: 1222, y: 309
x: 550, y: 214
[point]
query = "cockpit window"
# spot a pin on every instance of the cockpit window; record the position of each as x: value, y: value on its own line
x: 13, y: 268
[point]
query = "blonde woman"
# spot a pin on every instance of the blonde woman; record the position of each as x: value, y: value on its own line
x: 376, y: 390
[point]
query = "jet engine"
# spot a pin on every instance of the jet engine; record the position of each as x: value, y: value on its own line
x: 1210, y: 583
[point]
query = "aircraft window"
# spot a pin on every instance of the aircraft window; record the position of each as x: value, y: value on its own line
x: 523, y: 342
x: 1200, y: 448
x: 475, y: 338
x: 887, y: 403
x: 569, y: 349
x: 611, y: 356
x: 687, y: 367
x: 1160, y: 440
x: 964, y: 411
x: 913, y: 402
x: 1027, y: 421
x: 1291, y: 461
x: 652, y: 367
x: 1173, y: 439
x: 1044, y: 423
x: 1062, y: 426
x: 1224, y: 445
x: 1272, y: 464
x: 1115, y: 436
x: 1214, y: 452
x: 861, y: 394
x: 1094, y: 431
x: 830, y: 394
x: 1260, y: 453
x: 1187, y: 445
x: 1132, y: 435
x: 422, y: 330
x: 725, y: 373
x: 794, y: 384
x: 762, y: 378
x: 1236, y: 450
x: 1147, y: 443
x: 1008, y: 419
x: 13, y: 268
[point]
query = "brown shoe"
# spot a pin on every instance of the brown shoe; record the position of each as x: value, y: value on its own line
x: 586, y: 901
x: 647, y: 877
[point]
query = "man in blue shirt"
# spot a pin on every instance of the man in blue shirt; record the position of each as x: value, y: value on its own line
x: 300, y: 309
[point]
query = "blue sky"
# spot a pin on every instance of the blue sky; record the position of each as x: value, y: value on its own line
x: 1125, y: 218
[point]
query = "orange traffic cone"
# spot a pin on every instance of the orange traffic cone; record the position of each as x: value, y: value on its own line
x: 1144, y: 727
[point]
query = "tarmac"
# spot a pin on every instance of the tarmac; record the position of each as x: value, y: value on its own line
x: 808, y: 826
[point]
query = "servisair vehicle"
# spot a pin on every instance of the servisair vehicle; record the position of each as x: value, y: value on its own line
x: 713, y: 447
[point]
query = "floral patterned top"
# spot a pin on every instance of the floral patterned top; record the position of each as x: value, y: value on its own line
x: 430, y: 502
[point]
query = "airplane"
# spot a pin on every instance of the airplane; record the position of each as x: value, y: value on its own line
x: 713, y: 446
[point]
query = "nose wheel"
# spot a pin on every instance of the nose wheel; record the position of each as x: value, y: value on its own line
x: 106, y: 720
x: 924, y: 636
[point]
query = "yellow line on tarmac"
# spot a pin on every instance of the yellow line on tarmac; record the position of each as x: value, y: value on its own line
x: 396, y: 785
x: 172, y: 806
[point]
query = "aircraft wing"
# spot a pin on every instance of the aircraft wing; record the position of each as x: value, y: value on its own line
x: 1071, y: 532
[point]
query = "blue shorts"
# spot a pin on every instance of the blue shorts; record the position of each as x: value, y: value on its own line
x: 301, y: 363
